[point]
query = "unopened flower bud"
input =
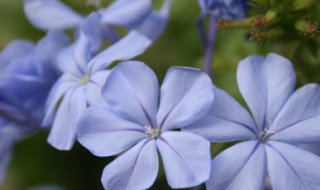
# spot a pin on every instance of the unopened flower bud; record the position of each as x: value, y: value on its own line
x: 263, y: 21
x: 268, y: 35
x: 302, y: 4
x: 309, y: 28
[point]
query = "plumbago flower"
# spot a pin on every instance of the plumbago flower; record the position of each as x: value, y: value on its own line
x: 216, y: 9
x: 133, y: 126
x: 27, y: 72
x: 135, y: 15
x: 80, y: 85
x: 281, y: 119
x: 225, y: 9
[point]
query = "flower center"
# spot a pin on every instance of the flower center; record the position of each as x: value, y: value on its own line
x: 84, y: 79
x: 153, y: 133
x: 264, y: 135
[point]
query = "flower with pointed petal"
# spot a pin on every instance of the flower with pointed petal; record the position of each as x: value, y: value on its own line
x: 135, y: 127
x: 80, y: 85
x: 280, y: 118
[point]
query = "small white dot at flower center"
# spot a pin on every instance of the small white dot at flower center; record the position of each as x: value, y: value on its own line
x: 265, y: 134
x: 84, y: 79
x: 153, y: 133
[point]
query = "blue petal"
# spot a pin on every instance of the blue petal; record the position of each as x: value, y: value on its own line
x: 226, y: 121
x: 75, y: 58
x: 65, y: 60
x: 50, y: 14
x: 126, y: 12
x: 95, y: 31
x: 225, y: 9
x: 186, y: 96
x: 298, y: 120
x: 132, y: 89
x: 47, y: 49
x: 241, y: 167
x: 132, y: 45
x: 63, y: 131
x: 135, y: 169
x: 14, y: 50
x: 105, y: 133
x: 186, y: 158
x: 94, y: 88
x: 64, y: 83
x: 154, y: 24
x: 265, y: 84
x: 290, y: 167
x: 82, y: 52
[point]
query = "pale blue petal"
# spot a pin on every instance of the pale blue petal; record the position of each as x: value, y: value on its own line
x: 310, y: 147
x: 298, y: 120
x: 95, y: 31
x: 155, y: 23
x: 265, y: 84
x: 226, y: 121
x: 132, y: 89
x: 135, y: 169
x: 50, y: 14
x: 71, y: 60
x: 63, y: 131
x: 65, y: 60
x: 126, y: 12
x: 186, y: 96
x: 132, y: 45
x: 28, y: 66
x: 14, y: 50
x: 94, y: 88
x: 105, y: 133
x: 64, y: 83
x: 290, y: 167
x: 82, y: 52
x: 240, y: 167
x: 186, y: 158
x: 48, y: 47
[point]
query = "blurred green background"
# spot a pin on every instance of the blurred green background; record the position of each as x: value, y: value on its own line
x: 36, y: 163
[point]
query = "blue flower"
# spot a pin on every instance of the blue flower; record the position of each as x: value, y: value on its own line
x: 135, y: 127
x: 216, y: 9
x: 280, y: 119
x: 135, y: 15
x: 27, y: 72
x: 225, y: 9
x: 80, y: 85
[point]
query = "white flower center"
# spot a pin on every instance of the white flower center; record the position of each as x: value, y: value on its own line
x: 153, y: 133
x: 84, y: 79
x: 264, y: 135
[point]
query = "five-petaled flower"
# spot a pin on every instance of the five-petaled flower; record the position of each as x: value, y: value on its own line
x: 133, y: 126
x: 80, y: 85
x: 281, y: 118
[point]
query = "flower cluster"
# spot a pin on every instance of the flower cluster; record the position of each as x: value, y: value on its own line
x: 69, y: 88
